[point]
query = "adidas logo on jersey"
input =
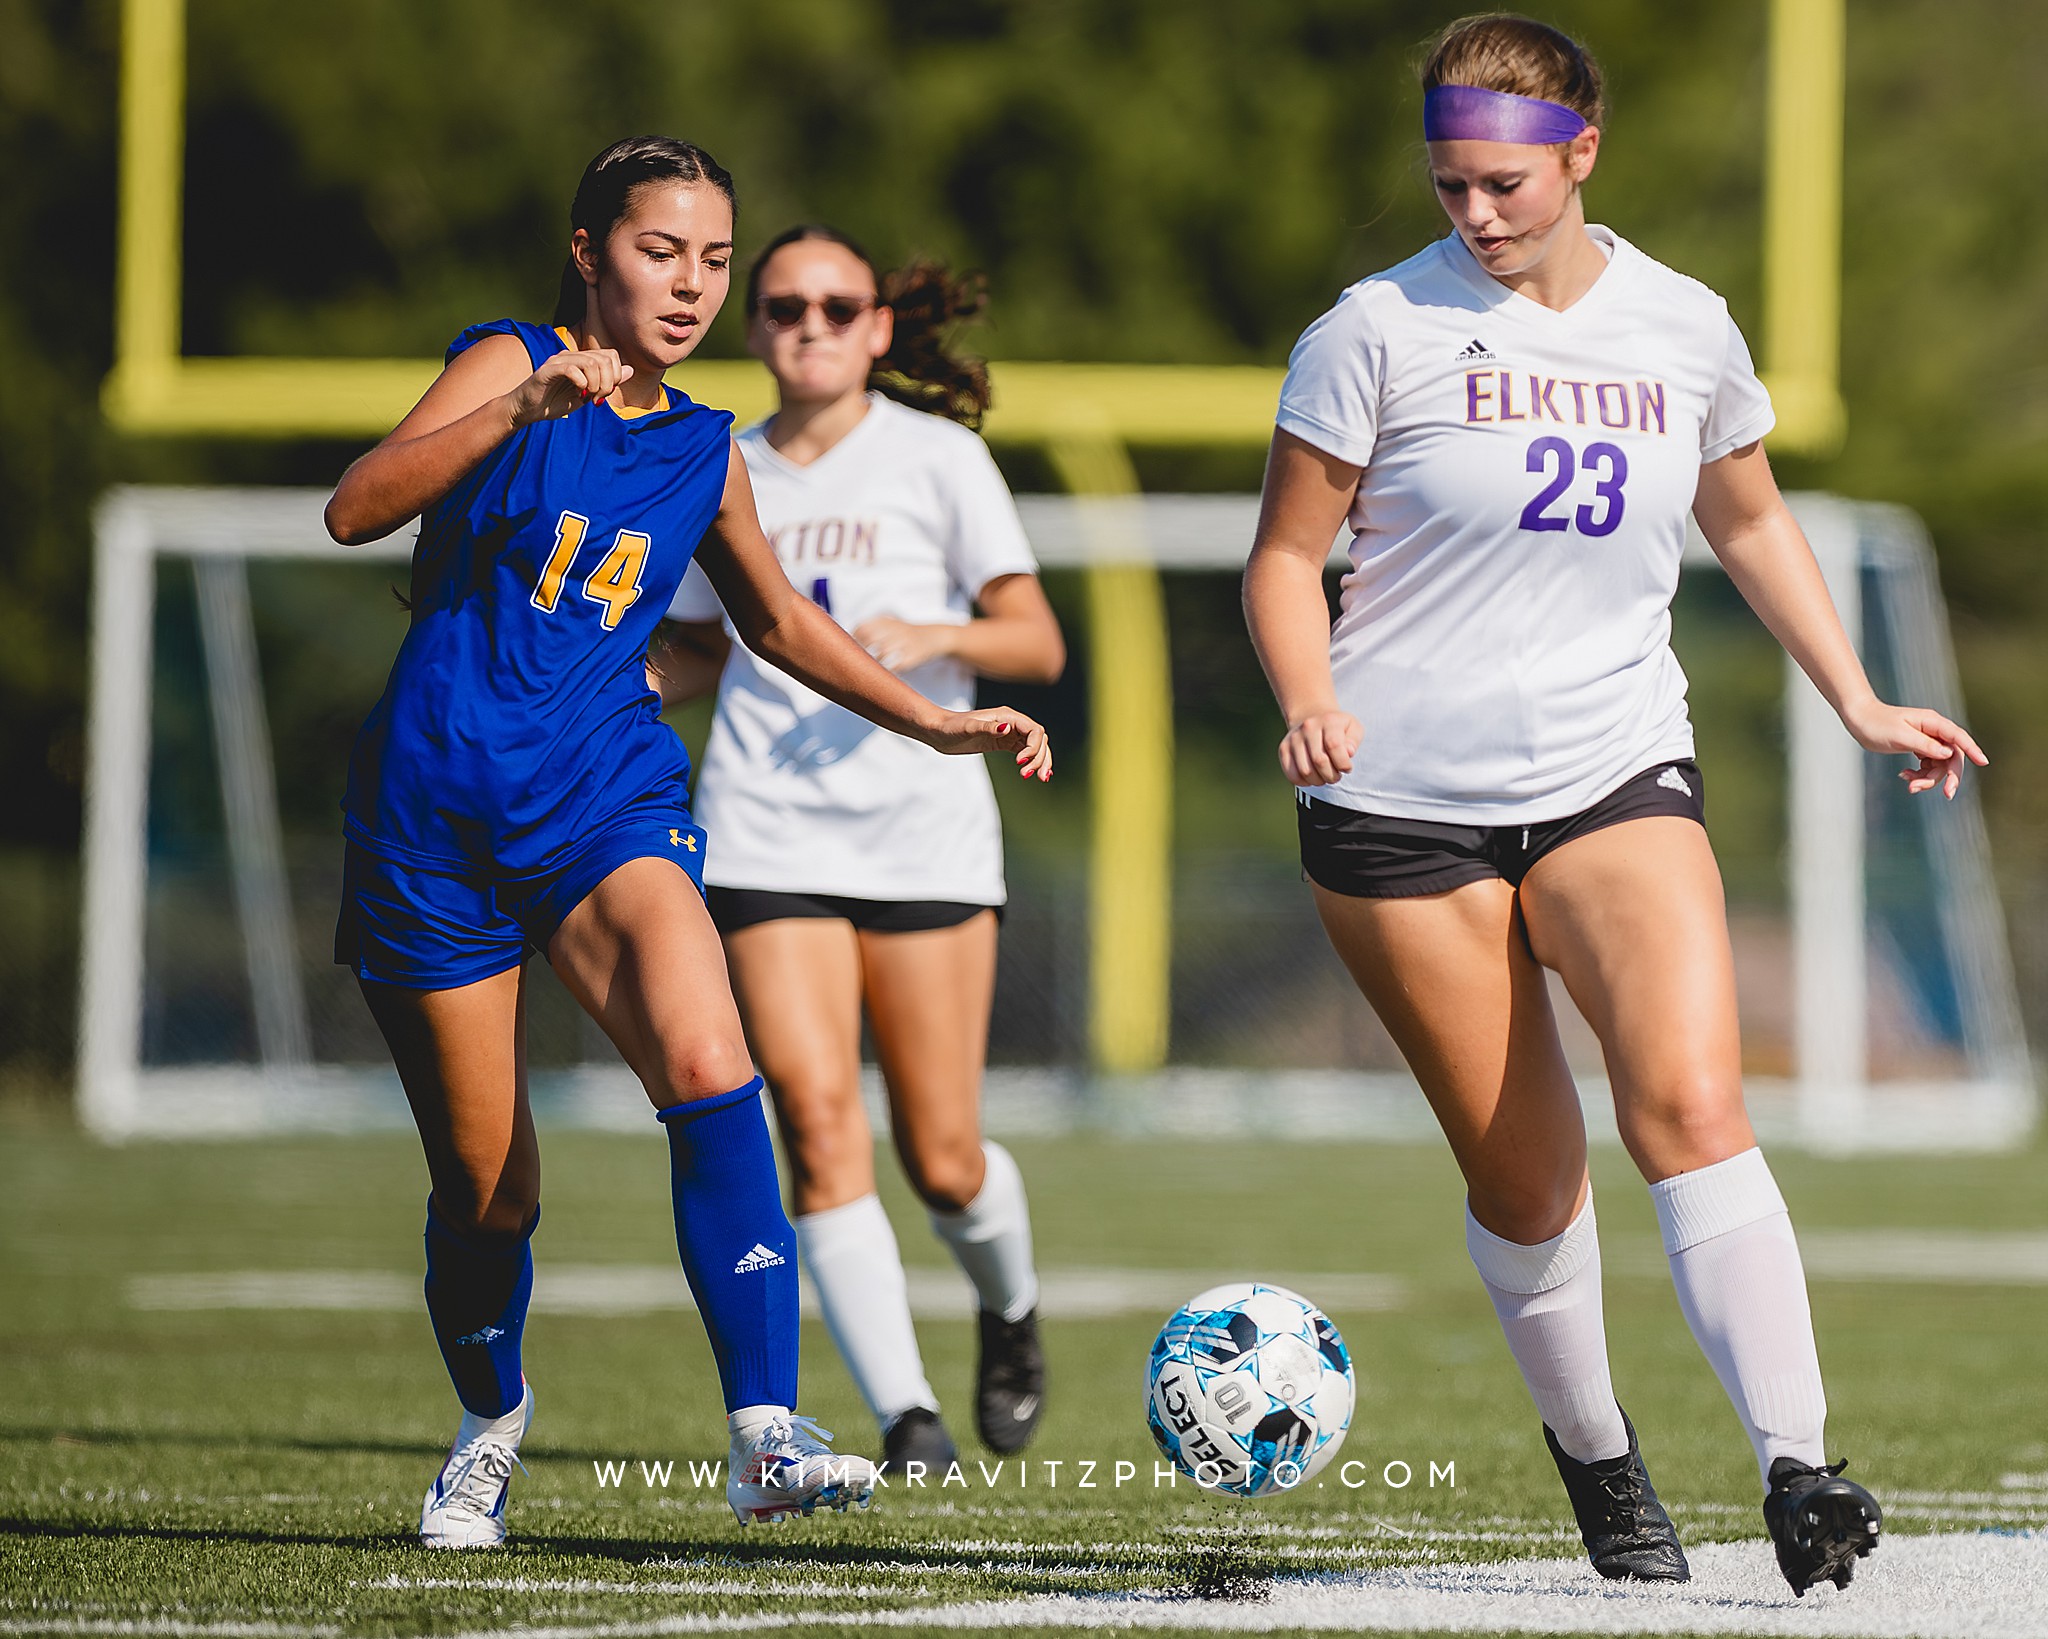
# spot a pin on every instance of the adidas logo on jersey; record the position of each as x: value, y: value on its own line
x: 1672, y: 780
x: 1473, y: 352
x: 762, y: 1257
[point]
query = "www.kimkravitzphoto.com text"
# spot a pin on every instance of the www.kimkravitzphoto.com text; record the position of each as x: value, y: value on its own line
x: 1049, y: 1474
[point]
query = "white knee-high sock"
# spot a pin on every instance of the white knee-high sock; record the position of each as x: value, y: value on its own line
x: 850, y: 1253
x: 1548, y: 1300
x: 991, y: 1238
x: 1743, y: 1291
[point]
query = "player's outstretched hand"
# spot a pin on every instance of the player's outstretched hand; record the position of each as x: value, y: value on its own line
x: 565, y: 383
x: 1318, y: 749
x: 969, y: 733
x: 1939, y: 748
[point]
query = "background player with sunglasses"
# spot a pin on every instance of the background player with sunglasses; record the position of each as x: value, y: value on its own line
x: 854, y: 868
x: 1495, y: 759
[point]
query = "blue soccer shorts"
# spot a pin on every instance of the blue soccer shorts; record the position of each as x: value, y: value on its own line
x: 434, y: 928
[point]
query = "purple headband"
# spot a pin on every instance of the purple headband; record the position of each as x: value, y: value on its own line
x: 1467, y: 113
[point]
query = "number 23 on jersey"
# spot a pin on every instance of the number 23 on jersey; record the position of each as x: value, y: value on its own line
x: 613, y: 585
x: 1559, y: 462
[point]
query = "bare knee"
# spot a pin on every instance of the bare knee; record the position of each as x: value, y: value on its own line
x: 487, y: 1212
x: 492, y: 1191
x: 946, y: 1170
x: 1684, y: 1123
x: 825, y: 1135
x: 701, y: 1070
x: 1532, y: 1200
x: 1525, y: 1215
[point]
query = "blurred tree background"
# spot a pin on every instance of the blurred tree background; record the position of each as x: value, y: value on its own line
x: 1155, y: 180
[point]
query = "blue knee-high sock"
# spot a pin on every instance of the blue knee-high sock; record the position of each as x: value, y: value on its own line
x: 738, y: 1249
x: 476, y: 1296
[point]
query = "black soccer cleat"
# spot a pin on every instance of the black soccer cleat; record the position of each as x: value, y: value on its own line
x: 1628, y: 1535
x: 917, y: 1436
x: 1821, y: 1523
x: 1009, y: 1383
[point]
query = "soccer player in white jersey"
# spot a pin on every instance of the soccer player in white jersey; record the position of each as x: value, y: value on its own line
x: 845, y: 872
x: 1495, y: 764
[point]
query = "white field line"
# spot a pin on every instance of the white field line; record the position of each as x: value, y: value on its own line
x: 1253, y: 1538
x: 1937, y: 1257
x: 1957, y: 1256
x: 633, y: 1289
x: 729, y: 1587
x: 2004, y: 1519
x: 1343, y: 1528
x: 1977, y: 1586
x: 169, y: 1627
x: 1988, y: 1499
x: 2016, y: 1501
x: 1989, y: 1510
x: 1954, y: 1587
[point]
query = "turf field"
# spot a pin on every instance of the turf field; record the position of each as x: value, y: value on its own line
x: 173, y: 1464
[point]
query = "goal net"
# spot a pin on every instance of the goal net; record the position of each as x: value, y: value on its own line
x: 236, y: 649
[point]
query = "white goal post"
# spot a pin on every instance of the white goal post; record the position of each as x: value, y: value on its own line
x: 1878, y: 564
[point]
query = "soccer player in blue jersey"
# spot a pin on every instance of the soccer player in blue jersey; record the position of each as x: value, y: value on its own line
x: 514, y: 790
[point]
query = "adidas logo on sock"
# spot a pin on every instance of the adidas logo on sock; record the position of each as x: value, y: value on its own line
x: 1672, y: 780
x: 762, y: 1257
x: 1474, y: 351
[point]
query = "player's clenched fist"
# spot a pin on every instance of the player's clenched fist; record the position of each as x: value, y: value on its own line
x: 567, y: 382
x: 1318, y: 749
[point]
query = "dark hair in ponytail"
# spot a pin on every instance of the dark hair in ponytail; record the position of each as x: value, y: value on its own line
x: 606, y: 192
x: 928, y: 301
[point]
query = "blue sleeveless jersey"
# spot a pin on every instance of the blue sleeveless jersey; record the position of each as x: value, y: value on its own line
x: 517, y: 719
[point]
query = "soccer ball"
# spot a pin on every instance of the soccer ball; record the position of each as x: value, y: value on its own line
x: 1249, y: 1389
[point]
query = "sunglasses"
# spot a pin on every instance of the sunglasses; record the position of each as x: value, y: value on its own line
x: 787, y: 312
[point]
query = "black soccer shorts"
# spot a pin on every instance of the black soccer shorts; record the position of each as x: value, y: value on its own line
x: 1374, y: 856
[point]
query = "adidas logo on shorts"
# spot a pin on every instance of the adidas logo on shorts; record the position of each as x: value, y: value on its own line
x: 762, y: 1257
x: 1672, y: 780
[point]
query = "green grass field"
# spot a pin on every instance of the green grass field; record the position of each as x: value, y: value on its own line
x: 250, y: 1473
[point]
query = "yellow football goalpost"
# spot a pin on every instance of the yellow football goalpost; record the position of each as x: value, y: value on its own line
x: 1085, y: 416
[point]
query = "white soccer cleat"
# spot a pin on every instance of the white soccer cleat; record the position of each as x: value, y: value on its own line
x: 465, y: 1506
x: 788, y: 1469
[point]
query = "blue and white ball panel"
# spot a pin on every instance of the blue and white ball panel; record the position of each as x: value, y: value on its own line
x: 1250, y: 1389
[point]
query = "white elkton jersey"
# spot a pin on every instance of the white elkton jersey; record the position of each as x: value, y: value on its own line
x: 1505, y: 628
x: 905, y: 516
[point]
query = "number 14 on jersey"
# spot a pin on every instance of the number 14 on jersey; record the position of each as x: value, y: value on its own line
x: 614, y: 584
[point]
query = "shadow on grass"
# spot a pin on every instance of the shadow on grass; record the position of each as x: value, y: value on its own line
x: 1229, y: 1575
x: 1241, y: 1578
x: 118, y: 1438
x: 94, y: 1531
